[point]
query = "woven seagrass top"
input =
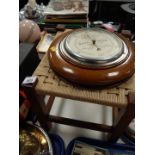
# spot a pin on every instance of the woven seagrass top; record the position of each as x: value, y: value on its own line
x: 50, y: 83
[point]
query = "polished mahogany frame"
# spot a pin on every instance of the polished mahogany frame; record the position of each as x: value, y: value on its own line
x: 89, y: 76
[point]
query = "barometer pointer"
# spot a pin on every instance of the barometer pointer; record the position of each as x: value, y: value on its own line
x: 93, y: 42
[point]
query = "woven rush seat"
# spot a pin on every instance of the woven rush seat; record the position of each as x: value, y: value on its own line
x: 50, y: 83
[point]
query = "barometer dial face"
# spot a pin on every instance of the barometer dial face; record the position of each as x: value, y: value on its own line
x: 92, y: 57
x: 93, y: 45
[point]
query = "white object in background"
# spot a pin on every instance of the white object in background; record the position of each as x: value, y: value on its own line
x: 132, y: 126
x: 44, y: 43
x: 129, y: 7
x: 32, y: 3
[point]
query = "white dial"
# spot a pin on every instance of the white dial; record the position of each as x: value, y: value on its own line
x: 93, y: 44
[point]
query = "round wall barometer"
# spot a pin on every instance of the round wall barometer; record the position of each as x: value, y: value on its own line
x: 92, y: 56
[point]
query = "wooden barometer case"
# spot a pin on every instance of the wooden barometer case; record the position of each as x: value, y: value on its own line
x: 92, y: 56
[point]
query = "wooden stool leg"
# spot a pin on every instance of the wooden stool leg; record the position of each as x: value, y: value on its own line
x: 37, y: 107
x: 124, y: 118
x: 46, y: 106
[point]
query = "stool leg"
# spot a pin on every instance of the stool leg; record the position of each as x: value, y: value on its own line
x: 124, y: 118
x: 37, y: 108
x: 46, y: 106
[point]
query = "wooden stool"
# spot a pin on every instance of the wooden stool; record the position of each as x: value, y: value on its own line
x: 121, y: 98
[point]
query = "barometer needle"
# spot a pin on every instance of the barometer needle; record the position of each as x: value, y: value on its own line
x: 93, y: 42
